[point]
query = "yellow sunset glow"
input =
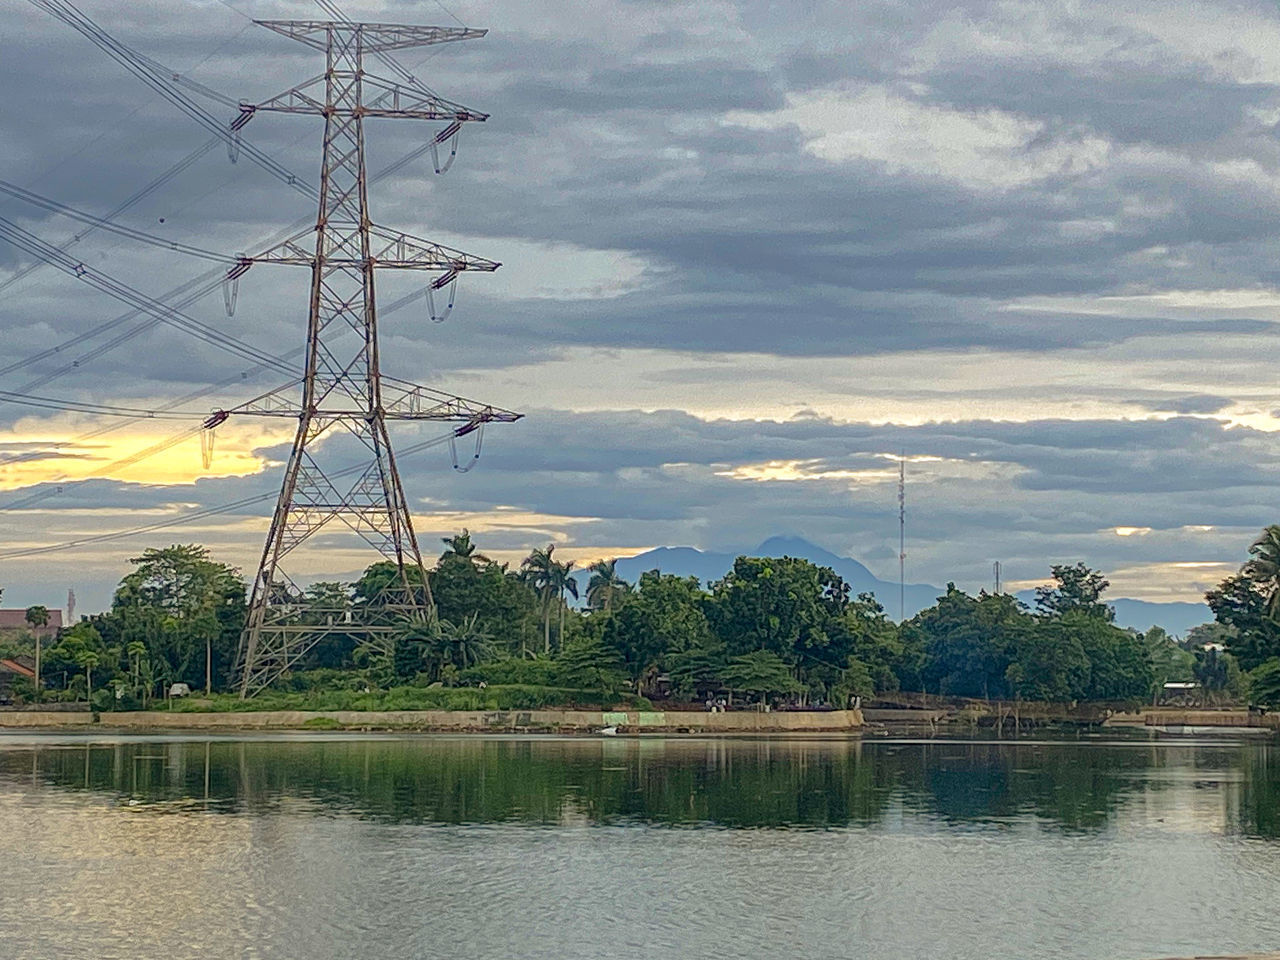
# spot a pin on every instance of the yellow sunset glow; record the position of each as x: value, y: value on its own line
x: 138, y: 452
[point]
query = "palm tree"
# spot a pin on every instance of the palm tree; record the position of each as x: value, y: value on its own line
x: 463, y: 644
x: 38, y: 617
x: 604, y: 583
x: 88, y: 659
x: 537, y: 570
x: 461, y: 546
x: 1264, y: 568
x: 136, y: 650
x: 561, y: 581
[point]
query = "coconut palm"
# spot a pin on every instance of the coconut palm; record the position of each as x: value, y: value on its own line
x: 537, y: 570
x: 604, y: 584
x: 461, y: 546
x: 562, y: 581
x: 1264, y: 567
x: 38, y: 617
x: 88, y: 659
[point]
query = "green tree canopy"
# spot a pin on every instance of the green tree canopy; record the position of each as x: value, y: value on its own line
x: 760, y: 671
x: 663, y: 616
x: 780, y: 605
x: 178, y: 601
x: 605, y: 586
x: 1077, y: 588
x: 968, y: 643
x: 1246, y: 603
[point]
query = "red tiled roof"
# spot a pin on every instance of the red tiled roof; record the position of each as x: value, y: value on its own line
x: 17, y: 620
x: 13, y: 666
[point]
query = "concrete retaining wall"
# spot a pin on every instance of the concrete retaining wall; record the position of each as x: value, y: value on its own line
x: 1163, y: 716
x: 462, y: 720
x: 45, y: 718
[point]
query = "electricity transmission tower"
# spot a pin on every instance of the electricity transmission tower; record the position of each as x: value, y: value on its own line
x: 343, y: 391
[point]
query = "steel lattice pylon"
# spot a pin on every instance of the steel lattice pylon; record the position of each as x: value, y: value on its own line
x: 343, y: 387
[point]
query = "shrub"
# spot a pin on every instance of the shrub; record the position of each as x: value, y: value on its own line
x: 538, y: 673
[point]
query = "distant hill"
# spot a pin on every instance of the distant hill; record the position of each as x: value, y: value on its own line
x: 707, y: 566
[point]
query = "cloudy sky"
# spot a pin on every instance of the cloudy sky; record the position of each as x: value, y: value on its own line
x: 753, y: 253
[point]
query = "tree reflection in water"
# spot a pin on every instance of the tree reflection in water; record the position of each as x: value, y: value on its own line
x: 1070, y: 786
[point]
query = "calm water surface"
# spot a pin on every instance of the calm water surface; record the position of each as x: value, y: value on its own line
x: 317, y: 847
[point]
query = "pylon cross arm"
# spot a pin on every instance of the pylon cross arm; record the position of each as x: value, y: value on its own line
x: 402, y: 400
x: 381, y: 98
x: 374, y: 37
x: 388, y: 248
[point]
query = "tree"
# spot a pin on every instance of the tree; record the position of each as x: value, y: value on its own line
x: 38, y: 617
x: 88, y: 660
x: 1218, y: 674
x: 780, y: 605
x: 1169, y: 662
x: 329, y: 603
x: 462, y: 547
x: 1077, y: 588
x: 539, y: 571
x: 69, y: 654
x: 1050, y: 664
x: 1244, y: 603
x: 663, y: 616
x: 590, y: 664
x: 1263, y: 567
x: 968, y: 643
x: 604, y: 585
x: 562, y: 582
x: 462, y: 644
x: 861, y: 634
x: 760, y: 671
x: 1264, y: 683
x: 1119, y: 666
x: 380, y: 583
x: 188, y: 609
x: 855, y: 681
x: 696, y: 670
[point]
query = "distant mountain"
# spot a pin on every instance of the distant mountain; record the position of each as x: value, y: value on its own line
x: 707, y: 566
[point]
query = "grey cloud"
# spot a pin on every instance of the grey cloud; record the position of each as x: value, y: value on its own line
x: 753, y: 243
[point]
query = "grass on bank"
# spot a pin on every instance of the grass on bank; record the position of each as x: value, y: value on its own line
x: 504, y: 697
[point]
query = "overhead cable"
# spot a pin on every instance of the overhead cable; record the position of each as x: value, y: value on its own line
x: 103, y: 223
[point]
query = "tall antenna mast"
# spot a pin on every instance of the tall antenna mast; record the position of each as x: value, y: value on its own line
x: 343, y: 392
x: 995, y: 567
x: 902, y: 537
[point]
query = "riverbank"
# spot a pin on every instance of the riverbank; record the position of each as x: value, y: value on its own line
x: 453, y: 721
x: 934, y: 713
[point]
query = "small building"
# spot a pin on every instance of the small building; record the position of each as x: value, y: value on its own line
x: 10, y: 669
x: 13, y: 622
x: 1183, y: 693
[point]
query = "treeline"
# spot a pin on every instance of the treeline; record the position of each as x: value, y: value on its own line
x: 771, y: 629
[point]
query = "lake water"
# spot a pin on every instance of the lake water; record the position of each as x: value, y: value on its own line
x: 384, y: 847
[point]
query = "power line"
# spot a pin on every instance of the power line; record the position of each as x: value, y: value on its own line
x: 103, y: 223
x: 166, y: 82
x: 130, y: 201
x: 121, y: 291
x: 101, y: 409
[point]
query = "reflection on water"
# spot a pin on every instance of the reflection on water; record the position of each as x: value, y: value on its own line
x: 344, y: 846
x: 730, y: 783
